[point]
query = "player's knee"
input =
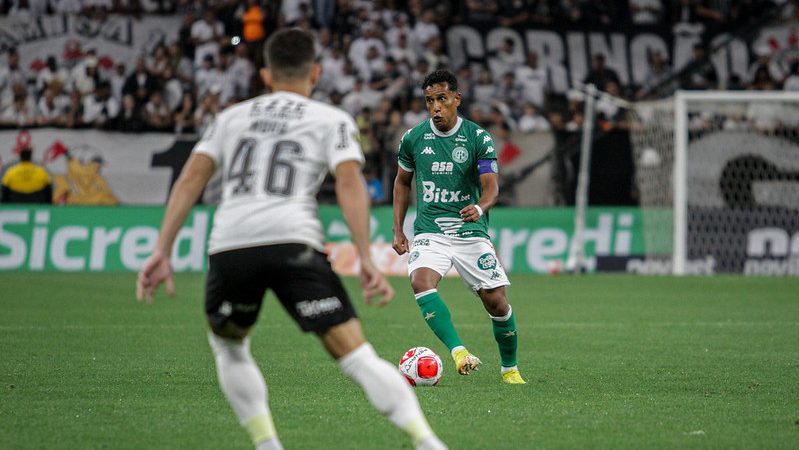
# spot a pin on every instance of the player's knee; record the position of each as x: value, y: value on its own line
x: 229, y: 330
x: 494, y: 301
x: 423, y: 280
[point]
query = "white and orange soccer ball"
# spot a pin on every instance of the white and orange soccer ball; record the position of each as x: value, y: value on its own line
x: 421, y: 367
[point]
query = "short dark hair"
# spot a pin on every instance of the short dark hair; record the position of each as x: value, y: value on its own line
x: 441, y: 76
x: 290, y: 54
x: 26, y: 154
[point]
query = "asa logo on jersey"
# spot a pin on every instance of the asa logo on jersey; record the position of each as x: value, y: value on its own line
x: 442, y: 168
x: 487, y: 261
x: 433, y: 194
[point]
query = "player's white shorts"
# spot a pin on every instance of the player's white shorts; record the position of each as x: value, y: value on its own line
x: 473, y: 258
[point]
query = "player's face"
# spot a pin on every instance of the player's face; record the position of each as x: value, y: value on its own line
x: 442, y: 104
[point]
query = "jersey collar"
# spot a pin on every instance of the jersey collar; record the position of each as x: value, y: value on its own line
x: 452, y: 130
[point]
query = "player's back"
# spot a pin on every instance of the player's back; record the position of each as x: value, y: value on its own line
x: 275, y: 151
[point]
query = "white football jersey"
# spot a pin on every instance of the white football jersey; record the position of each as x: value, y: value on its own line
x: 274, y: 151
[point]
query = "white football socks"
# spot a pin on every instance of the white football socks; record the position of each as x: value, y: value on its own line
x: 390, y: 394
x: 245, y: 389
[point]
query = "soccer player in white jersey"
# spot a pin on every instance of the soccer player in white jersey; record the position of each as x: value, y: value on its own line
x: 455, y: 164
x: 274, y: 151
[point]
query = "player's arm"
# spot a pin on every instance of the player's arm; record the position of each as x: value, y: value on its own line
x: 354, y: 201
x: 490, y: 184
x: 402, y: 193
x: 158, y: 268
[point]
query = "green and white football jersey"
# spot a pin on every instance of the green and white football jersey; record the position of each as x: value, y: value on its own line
x: 447, y: 179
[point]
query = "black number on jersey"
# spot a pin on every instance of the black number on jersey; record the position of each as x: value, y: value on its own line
x: 280, y: 171
x: 240, y: 172
x: 280, y: 179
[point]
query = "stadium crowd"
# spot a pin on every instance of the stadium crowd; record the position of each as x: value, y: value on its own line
x: 374, y: 56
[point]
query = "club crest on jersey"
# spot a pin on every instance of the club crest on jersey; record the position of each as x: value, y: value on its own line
x: 428, y: 151
x: 429, y: 136
x: 487, y: 261
x: 414, y: 257
x: 460, y: 155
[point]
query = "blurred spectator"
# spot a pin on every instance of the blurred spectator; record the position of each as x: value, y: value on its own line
x: 253, y: 32
x: 172, y: 89
x: 117, y: 80
x: 480, y: 12
x: 485, y: 91
x: 292, y: 11
x: 20, y: 113
x: 402, y: 53
x: 416, y: 114
x: 157, y: 112
x: 513, y: 12
x: 510, y: 93
x: 399, y: 28
x: 792, y: 81
x: 74, y: 111
x: 159, y: 61
x: 49, y: 73
x: 67, y: 6
x: 207, y: 111
x: 532, y: 121
x: 26, y: 181
x: 434, y: 53
x: 346, y: 81
x: 374, y: 186
x: 181, y: 65
x: 131, y: 115
x: 85, y: 81
x: 465, y: 84
x: 100, y: 108
x: 206, y: 77
x: 699, y: 73
x: 506, y: 59
x: 205, y: 35
x: 52, y: 108
x: 765, y: 60
x: 140, y: 83
x: 600, y: 74
x: 362, y: 96
x: 543, y: 12
x: 184, y: 117
x: 332, y: 67
x: 646, y: 12
x: 424, y: 29
x: 659, y: 72
x: 532, y: 79
x: 361, y: 46
x: 763, y: 80
x: 10, y: 75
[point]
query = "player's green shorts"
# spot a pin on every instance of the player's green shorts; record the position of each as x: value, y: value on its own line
x: 473, y: 258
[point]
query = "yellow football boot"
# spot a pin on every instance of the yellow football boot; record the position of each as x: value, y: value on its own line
x: 513, y: 377
x: 465, y: 362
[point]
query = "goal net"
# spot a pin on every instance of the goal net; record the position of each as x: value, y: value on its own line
x: 718, y: 177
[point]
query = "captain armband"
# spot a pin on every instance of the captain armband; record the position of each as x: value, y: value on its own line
x: 487, y: 166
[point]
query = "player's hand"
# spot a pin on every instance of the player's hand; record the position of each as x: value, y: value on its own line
x: 156, y: 270
x: 375, y: 284
x: 400, y: 244
x: 470, y: 214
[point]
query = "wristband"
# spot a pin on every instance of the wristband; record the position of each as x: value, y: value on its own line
x: 479, y: 210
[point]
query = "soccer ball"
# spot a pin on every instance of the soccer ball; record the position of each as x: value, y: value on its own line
x: 421, y: 367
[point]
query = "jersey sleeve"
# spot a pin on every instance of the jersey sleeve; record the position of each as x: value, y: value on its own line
x: 211, y: 142
x: 485, y: 145
x: 342, y: 142
x: 405, y: 159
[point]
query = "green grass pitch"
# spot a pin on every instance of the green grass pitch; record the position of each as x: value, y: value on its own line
x: 611, y: 362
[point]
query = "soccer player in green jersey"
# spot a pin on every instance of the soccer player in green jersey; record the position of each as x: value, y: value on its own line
x: 456, y: 184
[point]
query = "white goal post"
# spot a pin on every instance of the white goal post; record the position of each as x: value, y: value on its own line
x: 734, y: 179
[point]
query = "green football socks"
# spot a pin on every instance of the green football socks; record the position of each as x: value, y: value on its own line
x: 506, y: 337
x: 438, y: 318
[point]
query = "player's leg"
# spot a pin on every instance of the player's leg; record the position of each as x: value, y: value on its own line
x: 240, y: 378
x: 314, y: 296
x: 428, y: 262
x: 503, y: 323
x: 385, y: 388
x: 476, y: 261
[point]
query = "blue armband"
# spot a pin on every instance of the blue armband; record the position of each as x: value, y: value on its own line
x: 487, y: 166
